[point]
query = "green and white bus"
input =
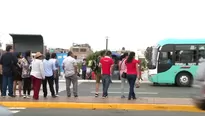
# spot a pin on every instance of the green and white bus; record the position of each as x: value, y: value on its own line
x: 174, y: 61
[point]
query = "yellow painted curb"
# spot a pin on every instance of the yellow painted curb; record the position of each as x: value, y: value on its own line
x: 116, y: 106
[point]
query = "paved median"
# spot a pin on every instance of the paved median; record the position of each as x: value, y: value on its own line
x: 163, y: 104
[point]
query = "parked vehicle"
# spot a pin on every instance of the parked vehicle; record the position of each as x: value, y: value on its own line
x: 5, y: 112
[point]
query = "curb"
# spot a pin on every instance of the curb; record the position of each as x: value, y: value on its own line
x: 105, y: 106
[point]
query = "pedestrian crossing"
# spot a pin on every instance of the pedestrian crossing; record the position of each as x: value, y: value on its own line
x: 15, y: 110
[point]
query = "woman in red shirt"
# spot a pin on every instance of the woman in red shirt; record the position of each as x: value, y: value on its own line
x: 132, y: 73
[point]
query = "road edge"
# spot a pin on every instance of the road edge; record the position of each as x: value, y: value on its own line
x: 105, y: 106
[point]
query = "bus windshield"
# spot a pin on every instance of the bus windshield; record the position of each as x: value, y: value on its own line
x: 151, y: 56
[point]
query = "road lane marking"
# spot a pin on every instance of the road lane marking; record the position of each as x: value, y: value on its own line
x: 145, y: 93
x: 16, y: 108
x: 15, y: 111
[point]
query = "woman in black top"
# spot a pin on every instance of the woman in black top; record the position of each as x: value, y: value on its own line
x: 17, y: 75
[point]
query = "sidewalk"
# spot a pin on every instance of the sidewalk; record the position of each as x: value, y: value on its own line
x: 167, y: 104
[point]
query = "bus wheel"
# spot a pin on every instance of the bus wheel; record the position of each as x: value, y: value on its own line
x: 184, y: 79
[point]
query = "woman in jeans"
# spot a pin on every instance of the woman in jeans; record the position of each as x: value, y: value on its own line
x: 123, y: 69
x: 132, y: 73
x: 26, y: 61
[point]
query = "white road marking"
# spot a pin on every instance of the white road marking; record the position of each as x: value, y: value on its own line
x: 144, y: 93
x: 15, y: 110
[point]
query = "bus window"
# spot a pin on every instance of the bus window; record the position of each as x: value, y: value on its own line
x: 185, y: 54
x: 201, y: 51
x: 165, y: 58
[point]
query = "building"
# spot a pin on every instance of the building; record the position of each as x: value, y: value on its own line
x: 81, y: 50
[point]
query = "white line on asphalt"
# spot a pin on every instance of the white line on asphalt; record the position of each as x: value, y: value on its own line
x: 147, y: 93
x: 15, y: 111
x: 16, y: 108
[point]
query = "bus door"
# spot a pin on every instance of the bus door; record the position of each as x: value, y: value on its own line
x: 165, y: 62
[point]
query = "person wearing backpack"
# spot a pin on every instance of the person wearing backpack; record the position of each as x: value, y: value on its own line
x: 123, y: 72
x: 97, y: 71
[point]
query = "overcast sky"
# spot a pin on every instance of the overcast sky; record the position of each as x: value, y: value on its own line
x: 131, y: 24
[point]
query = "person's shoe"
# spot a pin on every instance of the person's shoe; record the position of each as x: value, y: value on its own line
x: 96, y: 94
x: 57, y: 95
x: 75, y: 96
x: 105, y: 97
x: 28, y: 97
x: 129, y: 98
x: 24, y: 96
x: 122, y: 96
x: 54, y: 96
x: 68, y: 95
x: 12, y: 96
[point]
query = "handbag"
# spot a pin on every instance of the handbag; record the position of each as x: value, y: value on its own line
x: 124, y: 74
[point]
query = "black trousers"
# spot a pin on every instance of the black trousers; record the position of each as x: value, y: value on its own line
x: 27, y: 86
x: 83, y: 74
x: 50, y: 81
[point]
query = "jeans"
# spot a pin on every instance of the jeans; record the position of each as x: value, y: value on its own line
x: 123, y: 80
x: 7, y: 81
x: 131, y: 80
x: 1, y: 78
x: 56, y: 81
x: 106, y: 83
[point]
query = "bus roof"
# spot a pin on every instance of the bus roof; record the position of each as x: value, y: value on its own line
x: 181, y: 41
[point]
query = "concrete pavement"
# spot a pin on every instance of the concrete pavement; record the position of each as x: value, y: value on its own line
x: 146, y: 90
x: 80, y: 112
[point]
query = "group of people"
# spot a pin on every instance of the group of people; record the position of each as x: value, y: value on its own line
x: 31, y: 73
x: 128, y: 67
x: 28, y: 73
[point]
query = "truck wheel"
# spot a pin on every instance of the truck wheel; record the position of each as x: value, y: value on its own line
x: 184, y: 80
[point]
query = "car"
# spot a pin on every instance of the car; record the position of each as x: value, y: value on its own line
x: 5, y: 112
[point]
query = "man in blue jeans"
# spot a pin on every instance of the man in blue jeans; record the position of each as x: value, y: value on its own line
x: 8, y: 60
x: 106, y: 64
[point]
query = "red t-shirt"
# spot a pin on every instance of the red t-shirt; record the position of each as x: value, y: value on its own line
x: 131, y: 67
x: 106, y: 63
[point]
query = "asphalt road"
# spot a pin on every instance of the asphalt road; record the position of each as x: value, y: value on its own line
x: 77, y: 112
x: 146, y: 90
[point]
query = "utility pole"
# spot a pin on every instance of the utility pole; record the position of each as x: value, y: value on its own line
x: 106, y: 43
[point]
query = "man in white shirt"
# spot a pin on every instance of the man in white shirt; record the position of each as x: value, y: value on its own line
x: 70, y: 70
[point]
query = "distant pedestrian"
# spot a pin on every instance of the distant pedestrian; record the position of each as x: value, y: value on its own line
x: 49, y: 69
x: 84, y: 69
x: 132, y: 73
x: 106, y: 64
x: 56, y: 72
x: 26, y: 65
x: 8, y: 61
x: 37, y: 74
x: 123, y: 73
x: 18, y: 75
x: 70, y: 70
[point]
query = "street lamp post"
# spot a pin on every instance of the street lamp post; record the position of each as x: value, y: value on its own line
x: 106, y: 43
